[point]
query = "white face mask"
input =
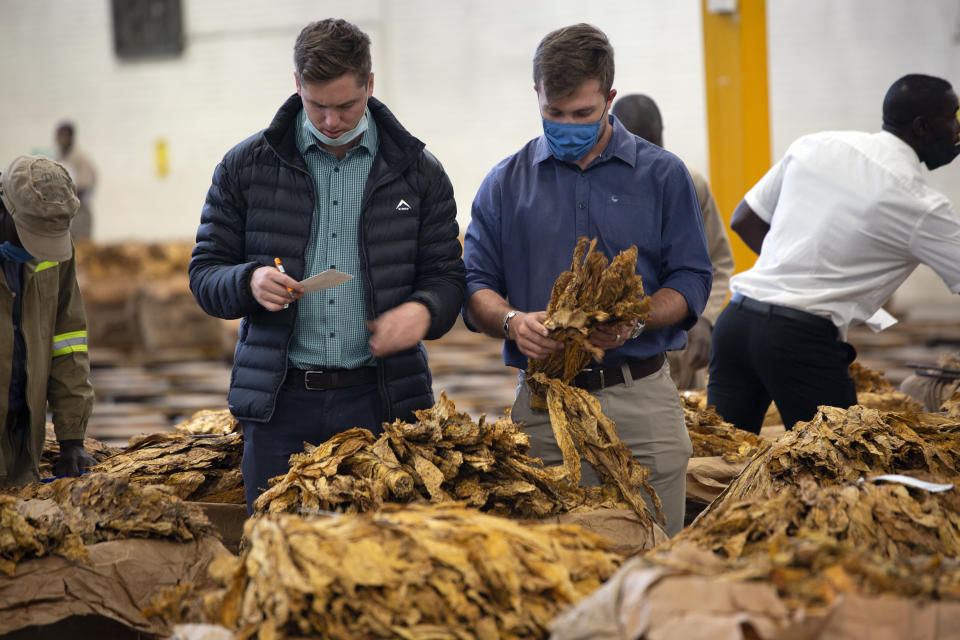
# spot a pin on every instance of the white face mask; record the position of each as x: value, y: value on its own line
x: 344, y: 138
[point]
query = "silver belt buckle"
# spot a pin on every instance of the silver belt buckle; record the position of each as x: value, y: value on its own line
x: 306, y: 380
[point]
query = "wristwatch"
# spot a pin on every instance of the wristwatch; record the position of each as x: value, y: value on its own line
x: 637, y: 330
x: 506, y: 323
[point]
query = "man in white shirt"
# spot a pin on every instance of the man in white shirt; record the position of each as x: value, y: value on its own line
x: 839, y: 223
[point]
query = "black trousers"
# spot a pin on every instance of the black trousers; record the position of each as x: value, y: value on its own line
x: 303, y: 416
x: 788, y: 356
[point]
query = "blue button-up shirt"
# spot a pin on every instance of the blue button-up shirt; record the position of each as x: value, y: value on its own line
x: 331, y: 328
x: 531, y: 208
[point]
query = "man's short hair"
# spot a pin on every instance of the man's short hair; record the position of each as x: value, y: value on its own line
x: 327, y: 49
x: 912, y: 96
x: 640, y: 115
x: 568, y: 57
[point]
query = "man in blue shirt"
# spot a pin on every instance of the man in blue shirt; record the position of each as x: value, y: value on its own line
x: 588, y: 176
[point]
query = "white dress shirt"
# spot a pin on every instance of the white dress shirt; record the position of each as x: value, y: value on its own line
x: 851, y: 216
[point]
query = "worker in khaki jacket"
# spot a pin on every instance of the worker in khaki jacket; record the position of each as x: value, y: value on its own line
x: 43, y: 330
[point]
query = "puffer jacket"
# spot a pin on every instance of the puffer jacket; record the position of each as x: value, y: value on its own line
x: 58, y: 366
x: 260, y: 206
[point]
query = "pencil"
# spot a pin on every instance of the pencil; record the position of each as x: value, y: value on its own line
x: 279, y: 264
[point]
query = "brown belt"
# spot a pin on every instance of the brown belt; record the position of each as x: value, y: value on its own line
x: 594, y: 378
x: 324, y: 379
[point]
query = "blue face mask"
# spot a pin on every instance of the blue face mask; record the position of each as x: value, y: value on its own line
x: 13, y: 253
x: 344, y: 138
x: 569, y: 141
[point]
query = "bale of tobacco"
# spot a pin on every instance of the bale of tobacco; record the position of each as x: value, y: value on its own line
x: 890, y: 520
x: 841, y: 445
x: 590, y: 294
x: 421, y: 571
x: 51, y: 451
x: 203, y: 468
x: 444, y: 456
x: 712, y: 436
x: 64, y: 515
x: 208, y: 421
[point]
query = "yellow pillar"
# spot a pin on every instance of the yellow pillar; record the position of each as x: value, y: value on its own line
x: 738, y: 113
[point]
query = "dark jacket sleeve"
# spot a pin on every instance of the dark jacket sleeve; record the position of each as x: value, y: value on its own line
x: 441, y: 277
x: 219, y: 272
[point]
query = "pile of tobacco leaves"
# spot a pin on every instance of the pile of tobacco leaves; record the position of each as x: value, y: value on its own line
x: 203, y: 467
x: 443, y: 457
x: 419, y: 571
x: 841, y: 445
x: 711, y: 436
x: 591, y: 293
x: 208, y: 421
x: 64, y: 515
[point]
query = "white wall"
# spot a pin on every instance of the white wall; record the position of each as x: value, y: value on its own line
x: 456, y: 73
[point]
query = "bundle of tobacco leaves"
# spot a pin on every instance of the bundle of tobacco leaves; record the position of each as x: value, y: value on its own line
x: 22, y: 536
x: 421, y: 571
x: 876, y: 392
x: 98, y: 506
x: 62, y: 516
x: 208, y: 421
x: 711, y: 436
x: 810, y: 571
x: 889, y: 519
x: 588, y: 295
x: 841, y: 445
x: 203, y: 468
x: 51, y: 451
x: 134, y: 260
x: 444, y: 456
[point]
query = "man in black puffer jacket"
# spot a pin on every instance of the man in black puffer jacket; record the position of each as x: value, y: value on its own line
x: 335, y: 182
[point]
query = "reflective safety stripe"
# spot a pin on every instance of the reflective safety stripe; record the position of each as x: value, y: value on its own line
x: 65, y: 343
x: 44, y: 265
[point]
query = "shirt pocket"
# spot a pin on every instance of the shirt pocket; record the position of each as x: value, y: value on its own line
x: 47, y: 281
x: 628, y: 221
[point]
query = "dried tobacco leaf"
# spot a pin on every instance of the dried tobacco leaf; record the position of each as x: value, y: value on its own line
x: 204, y: 468
x: 841, y: 445
x: 64, y: 515
x: 866, y: 379
x: 712, y: 436
x: 890, y: 520
x: 584, y: 297
x: 214, y: 421
x: 421, y: 571
x: 444, y: 456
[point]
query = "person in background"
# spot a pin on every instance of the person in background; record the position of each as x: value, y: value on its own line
x: 334, y: 182
x: 641, y: 117
x: 84, y: 177
x: 588, y: 176
x: 44, y: 332
x: 838, y: 223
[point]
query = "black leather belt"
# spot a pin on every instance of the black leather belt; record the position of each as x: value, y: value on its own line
x: 594, y: 378
x: 324, y: 379
x: 797, y: 315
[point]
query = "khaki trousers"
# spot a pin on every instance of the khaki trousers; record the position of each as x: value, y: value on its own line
x: 684, y: 375
x: 649, y: 419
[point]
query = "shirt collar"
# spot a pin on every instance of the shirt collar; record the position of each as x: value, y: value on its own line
x: 369, y: 140
x: 900, y: 145
x: 621, y: 145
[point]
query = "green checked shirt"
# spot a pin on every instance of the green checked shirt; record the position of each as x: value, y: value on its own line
x: 331, y: 328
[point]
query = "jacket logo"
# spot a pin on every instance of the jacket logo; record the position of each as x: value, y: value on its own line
x: 403, y: 206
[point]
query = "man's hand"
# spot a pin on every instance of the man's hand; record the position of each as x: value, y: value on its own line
x: 699, y: 338
x: 527, y: 330
x: 73, y: 460
x: 611, y: 336
x: 269, y: 288
x: 398, y: 329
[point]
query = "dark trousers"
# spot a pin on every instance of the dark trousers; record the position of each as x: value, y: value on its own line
x: 795, y: 360
x: 303, y: 416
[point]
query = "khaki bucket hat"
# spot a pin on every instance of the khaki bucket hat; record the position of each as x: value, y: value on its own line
x: 40, y: 196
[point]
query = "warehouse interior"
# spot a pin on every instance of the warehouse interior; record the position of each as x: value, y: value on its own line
x: 158, y: 91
